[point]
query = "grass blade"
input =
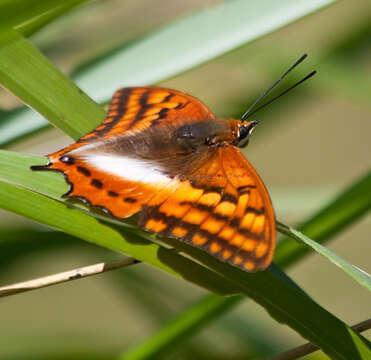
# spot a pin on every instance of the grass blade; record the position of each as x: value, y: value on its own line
x: 183, y: 326
x: 19, y: 123
x: 362, y: 277
x: 308, y: 348
x: 348, y: 207
x: 75, y: 222
x: 29, y: 75
x: 28, y: 16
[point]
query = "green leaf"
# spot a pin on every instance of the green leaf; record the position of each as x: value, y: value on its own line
x: 183, y: 326
x: 28, y: 16
x: 19, y: 123
x: 173, y: 49
x: 29, y: 75
x: 362, y: 277
x: 349, y: 206
x: 77, y: 223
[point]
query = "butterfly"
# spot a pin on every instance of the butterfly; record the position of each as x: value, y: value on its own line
x: 164, y: 154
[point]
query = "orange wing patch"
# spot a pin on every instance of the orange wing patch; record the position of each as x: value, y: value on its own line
x: 254, y: 218
x: 222, y: 208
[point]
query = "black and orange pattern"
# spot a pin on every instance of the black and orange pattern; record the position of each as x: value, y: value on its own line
x: 138, y: 108
x: 229, y: 215
x: 220, y: 205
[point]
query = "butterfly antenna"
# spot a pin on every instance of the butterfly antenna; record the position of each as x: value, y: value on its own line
x: 251, y: 109
x: 283, y: 93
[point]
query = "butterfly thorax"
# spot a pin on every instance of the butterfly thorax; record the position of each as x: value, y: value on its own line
x: 213, y: 133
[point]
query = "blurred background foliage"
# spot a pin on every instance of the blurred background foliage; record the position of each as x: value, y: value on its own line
x: 309, y: 146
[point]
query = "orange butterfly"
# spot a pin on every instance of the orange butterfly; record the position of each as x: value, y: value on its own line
x: 165, y: 154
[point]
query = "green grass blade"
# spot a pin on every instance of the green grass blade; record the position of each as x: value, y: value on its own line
x: 75, y: 222
x: 29, y: 75
x: 19, y: 123
x: 181, y: 327
x: 271, y: 289
x: 173, y: 49
x: 348, y: 207
x: 17, y: 243
x: 28, y: 16
x: 15, y: 169
x: 359, y: 275
x: 323, y: 226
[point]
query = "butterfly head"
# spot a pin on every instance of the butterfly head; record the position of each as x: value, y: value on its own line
x: 244, y: 130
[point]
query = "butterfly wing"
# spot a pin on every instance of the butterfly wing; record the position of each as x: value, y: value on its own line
x: 223, y: 208
x: 100, y: 178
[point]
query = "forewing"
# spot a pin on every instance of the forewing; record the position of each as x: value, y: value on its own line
x: 223, y: 208
x: 137, y: 108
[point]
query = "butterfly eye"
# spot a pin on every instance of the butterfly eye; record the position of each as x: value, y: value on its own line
x: 244, y: 132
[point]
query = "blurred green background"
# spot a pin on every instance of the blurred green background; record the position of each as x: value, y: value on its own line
x: 308, y: 146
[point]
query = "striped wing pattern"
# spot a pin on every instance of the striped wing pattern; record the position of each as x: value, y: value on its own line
x: 223, y: 208
x: 137, y: 108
